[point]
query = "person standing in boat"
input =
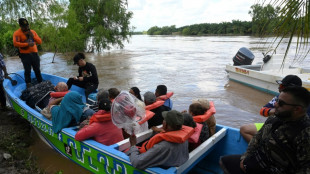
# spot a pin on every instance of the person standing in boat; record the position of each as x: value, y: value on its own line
x: 26, y: 40
x: 249, y: 130
x: 282, y: 145
x: 87, y: 78
x: 6, y: 75
x: 163, y: 149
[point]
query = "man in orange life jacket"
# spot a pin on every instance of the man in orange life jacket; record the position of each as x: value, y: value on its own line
x: 26, y: 40
x: 164, y: 153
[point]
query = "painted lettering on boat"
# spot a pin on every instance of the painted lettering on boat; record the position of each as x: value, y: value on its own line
x: 243, y: 71
x: 87, y: 157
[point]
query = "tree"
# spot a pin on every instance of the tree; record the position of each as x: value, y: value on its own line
x: 294, y: 20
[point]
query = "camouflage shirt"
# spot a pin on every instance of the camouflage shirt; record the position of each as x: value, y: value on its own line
x: 280, y: 147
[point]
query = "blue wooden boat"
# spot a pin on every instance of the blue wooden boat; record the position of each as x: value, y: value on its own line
x: 99, y: 158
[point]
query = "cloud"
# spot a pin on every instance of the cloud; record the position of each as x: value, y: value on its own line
x: 149, y: 13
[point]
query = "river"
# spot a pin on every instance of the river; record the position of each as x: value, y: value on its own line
x: 191, y: 67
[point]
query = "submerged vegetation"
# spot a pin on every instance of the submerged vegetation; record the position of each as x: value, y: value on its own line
x: 66, y: 26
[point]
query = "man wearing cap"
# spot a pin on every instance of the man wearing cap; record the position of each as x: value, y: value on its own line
x: 26, y: 40
x: 282, y: 145
x: 249, y: 130
x: 157, y: 119
x: 165, y: 149
x: 88, y: 78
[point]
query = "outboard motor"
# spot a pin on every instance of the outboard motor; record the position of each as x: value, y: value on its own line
x: 243, y: 57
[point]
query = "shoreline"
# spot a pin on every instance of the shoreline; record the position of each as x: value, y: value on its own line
x: 15, y: 157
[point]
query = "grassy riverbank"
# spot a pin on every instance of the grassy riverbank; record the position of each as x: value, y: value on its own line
x: 15, y: 157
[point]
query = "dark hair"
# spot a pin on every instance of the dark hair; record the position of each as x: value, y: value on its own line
x: 300, y: 94
x: 161, y: 90
x: 113, y: 93
x: 196, y: 109
x: 137, y: 92
x: 105, y: 104
x: 188, y: 120
x: 102, y: 94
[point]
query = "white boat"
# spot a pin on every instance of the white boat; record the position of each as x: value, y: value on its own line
x: 263, y: 76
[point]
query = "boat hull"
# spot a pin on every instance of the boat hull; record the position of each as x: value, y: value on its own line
x: 99, y: 158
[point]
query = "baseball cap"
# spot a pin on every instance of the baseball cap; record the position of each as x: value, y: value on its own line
x: 290, y: 80
x: 23, y: 22
x: 173, y: 118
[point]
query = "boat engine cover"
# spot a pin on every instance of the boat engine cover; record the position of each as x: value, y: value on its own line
x: 243, y: 57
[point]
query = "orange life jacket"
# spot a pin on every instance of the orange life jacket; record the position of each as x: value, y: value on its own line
x: 155, y: 105
x: 100, y: 116
x: 148, y: 115
x: 202, y: 118
x: 165, y: 97
x: 58, y: 94
x: 195, y: 137
x: 179, y: 136
x: 20, y: 41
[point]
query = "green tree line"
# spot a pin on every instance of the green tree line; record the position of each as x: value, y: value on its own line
x: 264, y: 19
x: 67, y: 26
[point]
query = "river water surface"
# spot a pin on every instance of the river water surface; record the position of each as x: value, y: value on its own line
x: 191, y: 67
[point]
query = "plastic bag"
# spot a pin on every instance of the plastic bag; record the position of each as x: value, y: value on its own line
x: 126, y: 112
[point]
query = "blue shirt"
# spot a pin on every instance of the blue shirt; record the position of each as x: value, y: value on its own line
x: 2, y: 64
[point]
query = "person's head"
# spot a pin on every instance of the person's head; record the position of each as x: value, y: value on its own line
x: 289, y: 80
x: 104, y: 104
x: 188, y: 120
x: 292, y: 103
x: 61, y: 87
x: 79, y: 59
x: 204, y: 103
x: 173, y: 120
x: 149, y: 98
x: 160, y: 90
x: 113, y: 93
x: 24, y: 25
x: 136, y: 92
x: 196, y: 109
x: 102, y: 94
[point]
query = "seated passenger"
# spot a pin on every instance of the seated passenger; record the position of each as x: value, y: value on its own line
x: 101, y: 127
x: 162, y: 150
x: 71, y: 112
x: 200, y: 135
x: 87, y: 78
x: 162, y: 90
x: 211, y: 122
x: 100, y: 95
x: 113, y: 93
x: 196, y: 109
x: 136, y: 92
x: 157, y: 119
x: 55, y: 99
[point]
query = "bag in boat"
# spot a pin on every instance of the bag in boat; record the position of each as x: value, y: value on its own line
x: 126, y: 112
x: 33, y: 94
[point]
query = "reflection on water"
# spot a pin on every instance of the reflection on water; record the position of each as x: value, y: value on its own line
x: 191, y: 67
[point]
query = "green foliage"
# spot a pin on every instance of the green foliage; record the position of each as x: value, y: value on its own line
x: 66, y: 26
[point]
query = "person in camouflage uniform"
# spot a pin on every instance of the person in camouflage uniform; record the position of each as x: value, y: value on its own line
x: 283, y: 143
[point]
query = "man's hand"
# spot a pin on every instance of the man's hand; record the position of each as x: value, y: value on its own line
x: 30, y: 43
x: 133, y: 140
x: 242, y: 166
x: 75, y: 78
x: 157, y: 130
x: 81, y: 78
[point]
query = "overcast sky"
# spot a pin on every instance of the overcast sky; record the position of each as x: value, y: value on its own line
x: 149, y: 13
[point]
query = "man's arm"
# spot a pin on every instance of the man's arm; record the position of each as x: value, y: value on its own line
x: 303, y: 152
x: 17, y: 41
x: 36, y: 37
x: 94, y: 76
x: 268, y: 109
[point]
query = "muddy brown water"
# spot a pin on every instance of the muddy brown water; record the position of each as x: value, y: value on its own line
x: 191, y: 67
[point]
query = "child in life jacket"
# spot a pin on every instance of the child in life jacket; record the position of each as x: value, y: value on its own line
x: 173, y: 140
